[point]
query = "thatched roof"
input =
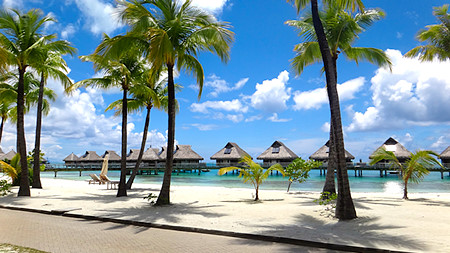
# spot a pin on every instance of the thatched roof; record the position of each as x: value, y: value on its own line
x: 182, y: 152
x: 392, y: 145
x: 71, y: 158
x: 90, y: 156
x: 277, y: 151
x: 113, y: 156
x: 445, y: 154
x: 151, y: 154
x: 8, y: 156
x: 230, y: 151
x: 322, y: 153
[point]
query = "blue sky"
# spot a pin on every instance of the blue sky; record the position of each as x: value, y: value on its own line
x: 255, y: 98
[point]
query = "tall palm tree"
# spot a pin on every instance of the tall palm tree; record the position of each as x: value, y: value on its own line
x: 123, y: 70
x: 53, y: 66
x: 437, y: 37
x: 176, y: 33
x: 21, y: 40
x: 342, y: 29
x: 6, y: 105
x: 415, y: 167
x: 345, y: 208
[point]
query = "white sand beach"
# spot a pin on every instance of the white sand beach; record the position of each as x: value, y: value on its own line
x: 384, y: 221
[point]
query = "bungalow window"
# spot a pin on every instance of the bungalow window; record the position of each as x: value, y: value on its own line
x: 228, y: 151
x: 276, y: 150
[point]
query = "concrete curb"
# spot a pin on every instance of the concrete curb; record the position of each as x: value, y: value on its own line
x: 265, y: 238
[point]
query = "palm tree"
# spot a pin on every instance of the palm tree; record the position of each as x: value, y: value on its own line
x: 253, y: 173
x: 6, y: 105
x: 123, y: 70
x: 53, y: 66
x: 437, y: 37
x: 21, y: 40
x: 345, y: 208
x: 415, y: 167
x: 341, y: 28
x: 173, y: 34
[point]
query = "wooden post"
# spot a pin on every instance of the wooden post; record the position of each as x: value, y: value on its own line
x: 56, y: 172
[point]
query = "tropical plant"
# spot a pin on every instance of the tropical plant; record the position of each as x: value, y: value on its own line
x: 298, y: 170
x: 54, y: 66
x: 14, y: 169
x: 122, y: 69
x: 437, y: 38
x: 21, y: 40
x: 253, y: 173
x: 4, y: 187
x: 345, y: 208
x: 413, y: 169
x: 172, y: 34
x: 9, y: 170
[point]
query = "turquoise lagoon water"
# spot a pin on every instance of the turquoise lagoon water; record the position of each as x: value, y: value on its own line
x: 370, y: 182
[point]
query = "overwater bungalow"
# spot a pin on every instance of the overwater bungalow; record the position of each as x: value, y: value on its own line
x: 230, y: 155
x: 321, y: 155
x: 277, y: 153
x: 445, y: 157
x: 8, y: 156
x: 150, y: 157
x: 183, y: 157
x: 113, y: 157
x: 398, y: 149
x: 90, y: 158
x: 71, y: 160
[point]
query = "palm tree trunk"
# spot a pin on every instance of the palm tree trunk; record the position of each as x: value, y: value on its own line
x: 405, y: 188
x: 289, y: 185
x: 345, y: 209
x: 122, y: 191
x: 330, y: 187
x: 37, y: 139
x: 257, y: 193
x: 164, y: 194
x: 1, y: 129
x: 24, y: 188
x: 141, y: 151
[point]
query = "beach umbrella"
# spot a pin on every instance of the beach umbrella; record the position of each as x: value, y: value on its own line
x: 105, y: 165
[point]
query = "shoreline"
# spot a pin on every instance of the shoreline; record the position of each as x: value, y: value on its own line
x: 384, y: 220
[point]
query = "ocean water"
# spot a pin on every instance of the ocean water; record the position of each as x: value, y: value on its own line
x: 370, y: 182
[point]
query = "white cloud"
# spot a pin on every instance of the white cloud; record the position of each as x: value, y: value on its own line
x: 99, y: 16
x: 254, y: 118
x: 221, y: 86
x: 236, y: 118
x: 16, y: 4
x: 205, y: 127
x: 214, y: 6
x: 274, y: 118
x: 314, y: 99
x: 325, y: 127
x: 68, y: 31
x: 415, y: 93
x: 271, y: 95
x: 233, y: 105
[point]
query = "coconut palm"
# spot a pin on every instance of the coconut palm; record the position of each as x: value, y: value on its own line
x: 415, y: 167
x: 21, y: 40
x: 53, y: 66
x: 342, y: 29
x: 172, y: 34
x: 123, y: 70
x: 436, y: 36
x: 345, y: 209
x: 6, y: 105
x: 253, y: 173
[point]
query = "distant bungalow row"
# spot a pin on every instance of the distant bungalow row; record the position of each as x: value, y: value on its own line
x: 230, y: 155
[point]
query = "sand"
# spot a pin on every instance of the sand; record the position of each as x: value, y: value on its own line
x: 385, y: 221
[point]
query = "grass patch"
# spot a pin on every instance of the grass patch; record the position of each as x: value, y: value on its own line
x: 5, y: 247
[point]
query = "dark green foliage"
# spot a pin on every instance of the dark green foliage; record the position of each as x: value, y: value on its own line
x: 298, y: 170
x: 4, y: 187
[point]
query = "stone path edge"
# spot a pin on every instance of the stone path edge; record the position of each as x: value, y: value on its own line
x: 265, y: 238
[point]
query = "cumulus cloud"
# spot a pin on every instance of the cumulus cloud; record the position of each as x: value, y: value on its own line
x: 68, y: 31
x: 205, y: 107
x: 219, y: 85
x: 274, y: 118
x: 314, y: 99
x: 414, y: 93
x: 254, y: 118
x: 8, y: 4
x: 213, y: 6
x: 271, y: 95
x: 204, y: 127
x: 99, y: 16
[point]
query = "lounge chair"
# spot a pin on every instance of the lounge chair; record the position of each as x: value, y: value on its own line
x: 95, y: 179
x: 109, y: 183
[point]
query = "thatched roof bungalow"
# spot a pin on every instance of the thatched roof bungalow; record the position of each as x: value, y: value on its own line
x: 90, y: 157
x: 230, y: 155
x: 150, y: 157
x: 398, y: 149
x: 183, y: 156
x: 8, y: 156
x: 277, y: 153
x: 113, y: 157
x: 445, y: 157
x: 71, y: 159
x: 321, y: 154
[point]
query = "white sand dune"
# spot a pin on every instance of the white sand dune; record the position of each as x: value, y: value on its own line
x: 384, y: 221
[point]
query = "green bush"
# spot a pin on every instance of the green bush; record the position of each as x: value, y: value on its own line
x: 4, y: 187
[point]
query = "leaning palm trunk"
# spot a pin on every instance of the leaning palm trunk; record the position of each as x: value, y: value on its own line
x: 37, y: 138
x: 141, y: 151
x: 164, y: 194
x: 1, y: 128
x: 345, y: 209
x: 122, y: 191
x: 24, y: 188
